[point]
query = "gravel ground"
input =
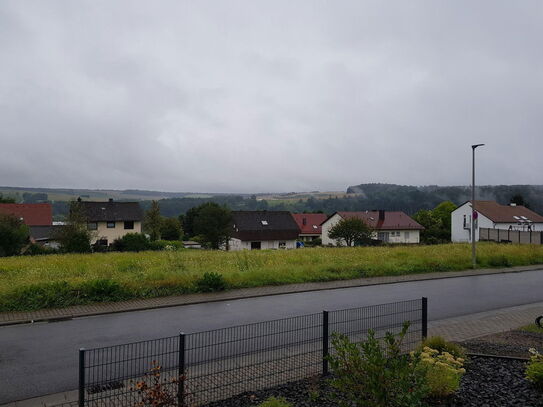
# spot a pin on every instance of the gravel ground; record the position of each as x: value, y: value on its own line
x: 488, y: 382
x: 510, y: 343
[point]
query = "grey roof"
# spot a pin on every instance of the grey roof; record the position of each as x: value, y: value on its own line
x: 49, y: 232
x: 112, y: 211
x: 264, y: 225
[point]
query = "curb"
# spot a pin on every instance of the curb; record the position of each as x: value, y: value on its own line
x: 282, y: 290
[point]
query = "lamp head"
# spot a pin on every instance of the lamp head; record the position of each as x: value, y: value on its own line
x: 474, y: 146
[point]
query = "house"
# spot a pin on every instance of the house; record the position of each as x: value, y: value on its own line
x: 492, y: 215
x: 387, y: 226
x: 46, y: 235
x: 111, y: 220
x: 39, y: 214
x: 310, y: 225
x: 253, y: 230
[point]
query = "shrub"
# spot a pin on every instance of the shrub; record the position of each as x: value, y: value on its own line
x: 372, y: 375
x: 37, y: 296
x: 13, y: 235
x: 165, y: 245
x: 211, y: 282
x: 101, y: 290
x: 275, y: 402
x: 36, y: 249
x: 441, y: 345
x: 442, y: 370
x: 131, y: 242
x: 534, y: 369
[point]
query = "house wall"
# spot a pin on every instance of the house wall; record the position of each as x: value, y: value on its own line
x: 404, y: 236
x: 326, y: 226
x: 400, y: 236
x: 459, y: 234
x: 103, y: 232
x: 237, y: 244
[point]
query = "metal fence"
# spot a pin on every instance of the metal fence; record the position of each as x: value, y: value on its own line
x: 203, y: 367
x: 511, y: 236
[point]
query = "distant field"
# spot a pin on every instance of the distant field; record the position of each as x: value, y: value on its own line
x: 61, y: 280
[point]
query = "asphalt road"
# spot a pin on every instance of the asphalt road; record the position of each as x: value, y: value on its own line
x: 39, y: 359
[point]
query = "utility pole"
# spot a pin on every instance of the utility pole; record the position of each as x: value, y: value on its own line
x: 474, y: 214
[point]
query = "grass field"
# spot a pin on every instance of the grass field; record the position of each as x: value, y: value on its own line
x: 28, y: 283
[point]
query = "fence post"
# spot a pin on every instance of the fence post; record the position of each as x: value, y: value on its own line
x: 424, y: 317
x: 81, y: 377
x: 325, y: 343
x: 181, y: 371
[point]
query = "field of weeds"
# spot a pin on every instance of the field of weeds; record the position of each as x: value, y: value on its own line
x: 29, y: 283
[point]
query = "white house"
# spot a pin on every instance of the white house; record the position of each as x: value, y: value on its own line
x: 255, y: 230
x: 389, y: 227
x: 492, y: 215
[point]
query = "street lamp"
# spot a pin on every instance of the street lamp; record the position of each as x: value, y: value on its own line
x: 473, y: 212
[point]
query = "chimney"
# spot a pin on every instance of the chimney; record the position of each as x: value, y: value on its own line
x: 381, y: 214
x: 110, y: 199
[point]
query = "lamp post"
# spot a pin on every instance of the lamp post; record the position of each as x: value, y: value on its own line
x: 473, y: 212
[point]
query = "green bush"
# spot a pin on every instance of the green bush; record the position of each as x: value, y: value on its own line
x: 13, y: 235
x: 36, y: 249
x: 38, y: 296
x: 441, y: 345
x: 101, y: 290
x: 131, y: 242
x: 373, y: 375
x: 275, y: 402
x: 211, y: 282
x: 534, y: 369
x: 443, y: 371
x: 165, y: 245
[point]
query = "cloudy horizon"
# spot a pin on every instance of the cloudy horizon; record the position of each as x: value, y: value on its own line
x: 254, y: 96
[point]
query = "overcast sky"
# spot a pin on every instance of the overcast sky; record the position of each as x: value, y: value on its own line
x: 253, y: 96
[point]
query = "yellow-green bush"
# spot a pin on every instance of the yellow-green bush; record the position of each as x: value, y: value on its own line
x: 443, y: 371
x: 534, y: 369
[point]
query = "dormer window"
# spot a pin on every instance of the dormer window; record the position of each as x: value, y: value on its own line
x: 264, y: 222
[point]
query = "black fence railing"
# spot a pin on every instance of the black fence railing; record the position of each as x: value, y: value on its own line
x: 199, y: 368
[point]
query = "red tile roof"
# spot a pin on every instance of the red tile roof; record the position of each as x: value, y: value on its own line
x: 40, y: 214
x: 391, y: 221
x: 312, y: 224
x: 506, y: 213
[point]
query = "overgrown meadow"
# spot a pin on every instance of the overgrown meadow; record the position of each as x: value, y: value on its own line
x: 30, y: 283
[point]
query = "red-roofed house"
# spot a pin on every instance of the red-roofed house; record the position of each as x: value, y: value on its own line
x: 389, y: 227
x: 310, y: 225
x: 39, y: 214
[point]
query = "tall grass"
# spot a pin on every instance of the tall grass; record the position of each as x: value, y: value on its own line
x: 28, y: 283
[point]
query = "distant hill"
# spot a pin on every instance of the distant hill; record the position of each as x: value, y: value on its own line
x: 409, y: 199
x: 413, y: 198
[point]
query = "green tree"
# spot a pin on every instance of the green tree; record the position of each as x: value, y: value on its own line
x: 74, y: 237
x: 352, y: 231
x: 14, y: 235
x: 213, y: 224
x: 436, y: 222
x: 6, y: 199
x: 152, y: 223
x: 519, y: 200
x: 171, y: 229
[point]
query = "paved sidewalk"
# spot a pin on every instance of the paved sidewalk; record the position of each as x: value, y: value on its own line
x: 12, y: 318
x: 454, y: 329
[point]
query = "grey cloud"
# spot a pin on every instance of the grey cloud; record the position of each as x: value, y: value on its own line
x: 268, y: 96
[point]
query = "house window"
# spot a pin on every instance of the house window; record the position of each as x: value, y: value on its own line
x: 282, y: 245
x: 111, y: 225
x: 101, y: 242
x: 255, y: 245
x: 92, y: 225
x: 383, y: 236
x: 264, y: 222
x: 464, y: 221
x: 406, y: 234
x: 129, y: 224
